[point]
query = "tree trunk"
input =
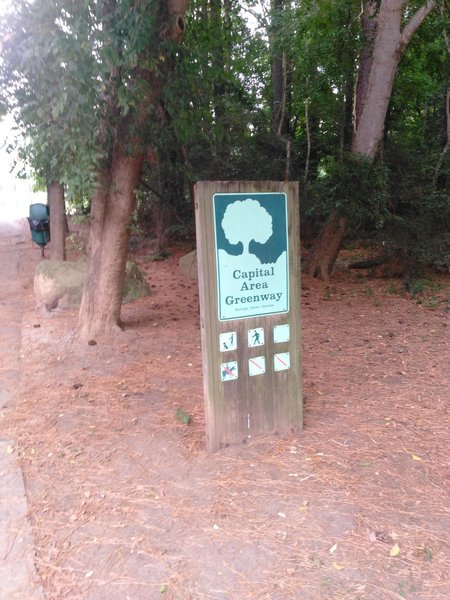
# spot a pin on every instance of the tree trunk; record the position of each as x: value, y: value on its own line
x: 377, y: 88
x: 112, y: 206
x: 281, y: 83
x: 218, y: 61
x: 58, y: 222
x: 325, y: 250
x: 114, y: 200
x: 376, y: 76
x: 368, y: 23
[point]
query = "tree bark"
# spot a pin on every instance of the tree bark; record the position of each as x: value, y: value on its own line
x: 58, y: 222
x: 376, y: 74
x: 111, y: 211
x: 325, y: 250
x: 114, y: 199
x: 389, y: 44
x: 281, y: 83
x: 368, y: 24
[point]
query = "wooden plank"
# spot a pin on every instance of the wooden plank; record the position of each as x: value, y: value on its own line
x: 251, y: 403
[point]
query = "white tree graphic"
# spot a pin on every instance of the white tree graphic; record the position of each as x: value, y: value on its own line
x: 246, y: 220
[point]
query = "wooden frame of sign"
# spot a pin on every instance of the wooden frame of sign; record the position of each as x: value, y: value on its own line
x: 248, y: 252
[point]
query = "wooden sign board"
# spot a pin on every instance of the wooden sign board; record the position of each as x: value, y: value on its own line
x: 248, y: 252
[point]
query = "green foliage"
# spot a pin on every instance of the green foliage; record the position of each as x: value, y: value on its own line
x: 354, y: 187
x: 419, y: 218
x: 422, y: 231
x: 214, y: 98
x: 324, y: 51
x: 46, y: 82
x: 416, y: 117
x: 73, y: 71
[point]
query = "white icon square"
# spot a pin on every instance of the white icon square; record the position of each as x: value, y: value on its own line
x: 281, y: 333
x: 256, y: 365
x: 255, y: 337
x: 228, y: 341
x: 229, y: 371
x: 281, y: 361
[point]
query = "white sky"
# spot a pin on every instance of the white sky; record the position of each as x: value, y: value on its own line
x: 4, y: 4
x: 15, y: 194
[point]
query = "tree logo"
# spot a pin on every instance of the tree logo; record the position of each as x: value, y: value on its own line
x: 246, y: 221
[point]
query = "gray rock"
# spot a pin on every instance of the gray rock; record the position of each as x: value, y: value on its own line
x: 188, y: 265
x: 60, y: 283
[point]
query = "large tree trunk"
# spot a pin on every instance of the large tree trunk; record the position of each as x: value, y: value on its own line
x: 58, y: 222
x: 114, y: 200
x: 376, y: 76
x: 326, y: 248
x: 112, y: 206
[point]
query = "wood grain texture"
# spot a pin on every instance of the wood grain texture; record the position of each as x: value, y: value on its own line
x: 249, y: 405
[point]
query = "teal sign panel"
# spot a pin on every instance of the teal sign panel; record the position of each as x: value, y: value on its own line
x: 251, y: 237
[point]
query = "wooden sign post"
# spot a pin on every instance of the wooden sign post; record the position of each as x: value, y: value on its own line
x: 248, y: 251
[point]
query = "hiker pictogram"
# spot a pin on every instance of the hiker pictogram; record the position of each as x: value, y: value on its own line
x: 256, y: 337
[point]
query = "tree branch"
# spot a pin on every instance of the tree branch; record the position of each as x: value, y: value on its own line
x: 415, y: 21
x: 150, y: 189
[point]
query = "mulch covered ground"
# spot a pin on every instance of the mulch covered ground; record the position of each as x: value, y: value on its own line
x: 126, y: 504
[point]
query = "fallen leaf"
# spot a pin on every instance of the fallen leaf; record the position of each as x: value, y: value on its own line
x: 337, y: 566
x: 9, y: 450
x: 415, y: 457
x: 395, y: 550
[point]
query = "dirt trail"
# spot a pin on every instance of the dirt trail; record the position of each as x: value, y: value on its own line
x: 126, y: 504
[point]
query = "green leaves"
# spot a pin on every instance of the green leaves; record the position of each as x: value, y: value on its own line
x: 356, y: 187
x: 46, y: 76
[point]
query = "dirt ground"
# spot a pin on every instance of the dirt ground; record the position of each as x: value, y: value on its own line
x: 126, y: 504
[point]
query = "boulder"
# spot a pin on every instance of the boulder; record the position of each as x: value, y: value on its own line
x: 60, y: 283
x: 188, y: 265
x: 135, y: 285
